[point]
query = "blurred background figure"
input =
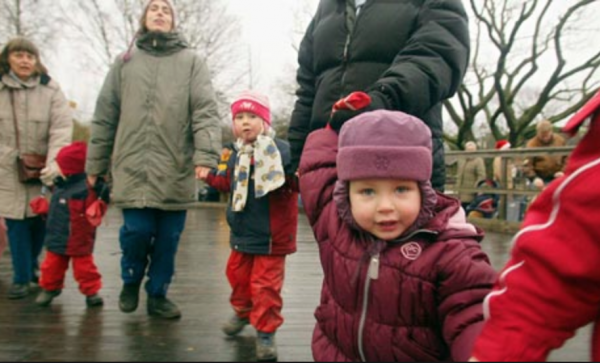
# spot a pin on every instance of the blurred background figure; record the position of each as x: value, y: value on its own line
x: 510, y: 171
x: 542, y: 169
x: 470, y: 172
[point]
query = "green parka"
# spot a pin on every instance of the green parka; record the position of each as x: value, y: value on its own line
x: 156, y: 119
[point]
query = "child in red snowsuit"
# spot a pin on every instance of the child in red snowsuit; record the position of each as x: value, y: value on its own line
x: 263, y: 217
x: 70, y: 235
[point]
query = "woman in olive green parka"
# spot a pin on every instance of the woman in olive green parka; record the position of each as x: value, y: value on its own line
x: 155, y: 127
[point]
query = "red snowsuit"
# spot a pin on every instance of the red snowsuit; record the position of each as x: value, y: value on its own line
x: 71, y: 237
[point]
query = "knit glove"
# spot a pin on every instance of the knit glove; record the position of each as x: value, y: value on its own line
x: 353, y: 105
x: 50, y: 173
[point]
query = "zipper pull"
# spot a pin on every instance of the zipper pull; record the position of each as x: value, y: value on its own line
x: 374, y: 268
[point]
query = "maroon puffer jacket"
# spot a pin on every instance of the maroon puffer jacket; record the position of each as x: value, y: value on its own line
x: 416, y: 300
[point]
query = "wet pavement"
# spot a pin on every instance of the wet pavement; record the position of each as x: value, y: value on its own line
x: 68, y: 331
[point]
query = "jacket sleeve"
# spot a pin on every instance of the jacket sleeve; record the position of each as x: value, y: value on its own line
x: 550, y: 287
x: 205, y: 117
x: 432, y: 65
x: 220, y: 180
x: 466, y: 278
x: 318, y: 173
x: 61, y: 124
x: 302, y: 113
x: 105, y: 122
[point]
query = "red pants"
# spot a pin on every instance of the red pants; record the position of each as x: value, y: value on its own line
x: 256, y: 282
x: 85, y: 272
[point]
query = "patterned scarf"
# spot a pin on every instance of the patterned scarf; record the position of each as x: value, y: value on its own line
x: 268, y: 170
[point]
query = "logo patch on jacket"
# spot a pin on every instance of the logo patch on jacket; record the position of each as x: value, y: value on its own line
x: 411, y: 250
x: 62, y: 201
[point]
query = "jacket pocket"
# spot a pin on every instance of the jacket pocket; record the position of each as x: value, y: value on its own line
x: 421, y: 345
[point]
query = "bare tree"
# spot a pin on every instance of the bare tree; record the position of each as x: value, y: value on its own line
x: 106, y: 28
x: 303, y: 12
x: 523, y: 67
x: 29, y: 18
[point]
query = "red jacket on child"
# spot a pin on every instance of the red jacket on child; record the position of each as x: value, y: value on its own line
x: 68, y: 230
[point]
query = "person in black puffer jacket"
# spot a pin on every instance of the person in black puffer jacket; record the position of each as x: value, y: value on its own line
x: 407, y: 55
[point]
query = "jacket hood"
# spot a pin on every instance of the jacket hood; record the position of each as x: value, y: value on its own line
x: 160, y: 43
x: 440, y: 215
x: 8, y: 81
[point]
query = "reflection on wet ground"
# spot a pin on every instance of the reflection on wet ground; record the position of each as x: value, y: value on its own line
x: 68, y: 331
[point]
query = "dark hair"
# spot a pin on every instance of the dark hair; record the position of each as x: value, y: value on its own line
x: 21, y: 44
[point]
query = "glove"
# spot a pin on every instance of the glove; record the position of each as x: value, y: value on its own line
x: 39, y: 205
x: 353, y: 105
x: 95, y: 212
x: 49, y: 173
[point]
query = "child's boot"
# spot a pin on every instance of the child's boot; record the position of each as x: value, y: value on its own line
x: 94, y: 300
x: 266, y: 350
x: 45, y: 297
x: 234, y: 325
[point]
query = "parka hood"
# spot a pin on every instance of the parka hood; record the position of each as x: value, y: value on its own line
x: 161, y: 44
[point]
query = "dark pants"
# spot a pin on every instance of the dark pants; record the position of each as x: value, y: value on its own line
x: 25, y: 239
x: 149, y: 238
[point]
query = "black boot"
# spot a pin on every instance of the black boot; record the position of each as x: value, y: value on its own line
x: 162, y: 307
x: 45, y: 297
x: 129, y: 297
x: 18, y: 291
x: 94, y: 300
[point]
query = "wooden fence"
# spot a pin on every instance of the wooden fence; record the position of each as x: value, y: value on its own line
x: 520, y: 186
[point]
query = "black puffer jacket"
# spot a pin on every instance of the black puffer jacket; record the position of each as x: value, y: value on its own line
x: 409, y: 55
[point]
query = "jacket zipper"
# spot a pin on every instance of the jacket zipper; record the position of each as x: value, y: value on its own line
x: 347, y: 46
x: 372, y: 274
x: 152, y: 124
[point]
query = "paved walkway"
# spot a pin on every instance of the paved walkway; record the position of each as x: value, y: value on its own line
x: 68, y: 331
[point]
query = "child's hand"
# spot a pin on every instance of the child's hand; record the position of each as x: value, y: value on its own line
x: 538, y: 183
x: 91, y: 179
x: 202, y: 172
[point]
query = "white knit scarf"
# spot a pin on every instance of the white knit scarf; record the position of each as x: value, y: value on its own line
x: 268, y: 170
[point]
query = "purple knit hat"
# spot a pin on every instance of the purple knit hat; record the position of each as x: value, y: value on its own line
x: 384, y: 144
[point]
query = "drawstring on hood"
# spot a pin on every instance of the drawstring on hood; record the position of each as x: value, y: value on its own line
x: 157, y: 43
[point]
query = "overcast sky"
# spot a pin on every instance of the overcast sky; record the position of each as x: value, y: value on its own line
x: 267, y: 29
